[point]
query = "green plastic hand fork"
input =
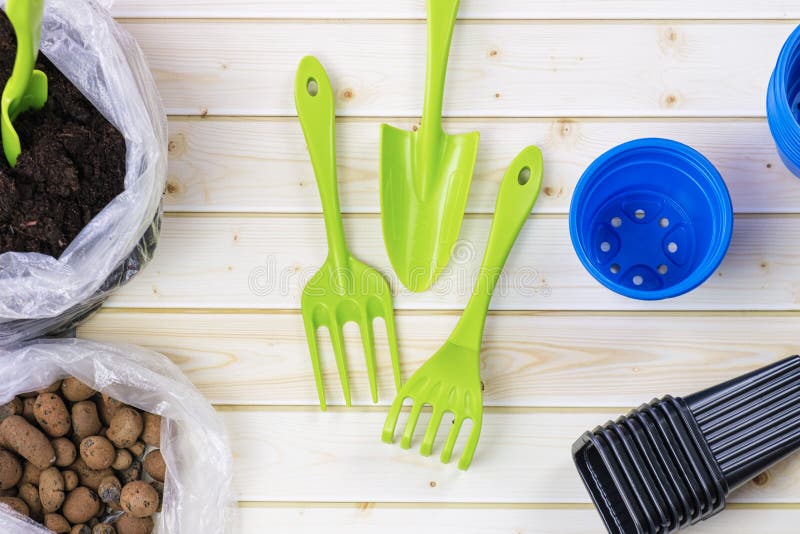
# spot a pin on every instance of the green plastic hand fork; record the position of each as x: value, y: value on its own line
x: 26, y: 88
x: 426, y: 175
x: 344, y: 290
x: 450, y: 382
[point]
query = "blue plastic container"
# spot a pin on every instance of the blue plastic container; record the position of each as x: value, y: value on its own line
x: 783, y: 103
x: 651, y: 219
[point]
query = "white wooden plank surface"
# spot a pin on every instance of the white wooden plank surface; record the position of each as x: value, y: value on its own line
x: 510, y: 69
x: 470, y: 9
x: 305, y: 455
x: 264, y: 262
x: 557, y: 360
x: 368, y: 518
x: 521, y: 73
x: 262, y: 165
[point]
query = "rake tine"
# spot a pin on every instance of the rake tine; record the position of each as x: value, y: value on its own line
x: 452, y: 437
x: 311, y: 334
x: 391, y: 420
x: 472, y: 444
x: 391, y: 334
x: 431, y: 432
x: 368, y: 338
x: 337, y: 338
x: 411, y: 425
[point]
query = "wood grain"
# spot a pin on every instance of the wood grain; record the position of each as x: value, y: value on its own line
x: 369, y: 518
x: 263, y: 263
x: 556, y: 360
x: 262, y: 165
x: 500, y: 69
x: 575, y: 77
x: 470, y: 9
x: 307, y: 455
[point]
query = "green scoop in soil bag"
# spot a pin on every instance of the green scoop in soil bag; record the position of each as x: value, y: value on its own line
x: 450, y: 381
x: 26, y: 88
x: 344, y: 290
x: 426, y: 174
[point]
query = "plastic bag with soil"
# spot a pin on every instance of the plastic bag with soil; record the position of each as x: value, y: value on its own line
x: 39, y: 293
x: 197, y: 490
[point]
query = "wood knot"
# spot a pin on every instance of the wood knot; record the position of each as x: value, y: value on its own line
x: 548, y: 191
x: 204, y: 112
x: 498, y: 95
x: 494, y: 52
x: 761, y: 480
x: 433, y: 483
x: 173, y: 187
x: 669, y: 100
x: 176, y: 145
x: 348, y: 94
x: 769, y: 165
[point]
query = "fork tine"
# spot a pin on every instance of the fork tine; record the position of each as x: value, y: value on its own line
x: 368, y: 338
x: 447, y: 452
x: 391, y: 420
x: 337, y: 338
x: 472, y: 443
x: 391, y: 334
x: 311, y: 335
x: 411, y: 425
x: 431, y: 432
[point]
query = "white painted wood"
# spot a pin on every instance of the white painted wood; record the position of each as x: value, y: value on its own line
x: 234, y: 165
x: 543, y: 67
x: 307, y: 455
x: 367, y: 518
x: 264, y: 262
x: 562, y: 360
x: 470, y: 9
x: 509, y: 69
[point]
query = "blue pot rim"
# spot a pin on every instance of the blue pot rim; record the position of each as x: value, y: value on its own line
x: 715, y: 189
x: 782, y: 122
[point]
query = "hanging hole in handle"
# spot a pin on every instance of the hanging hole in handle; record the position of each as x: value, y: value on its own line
x: 312, y: 87
x: 524, y: 176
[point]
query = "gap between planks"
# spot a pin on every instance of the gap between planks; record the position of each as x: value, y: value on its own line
x: 460, y: 21
x: 477, y: 506
x: 372, y: 216
x: 494, y: 313
x: 508, y: 410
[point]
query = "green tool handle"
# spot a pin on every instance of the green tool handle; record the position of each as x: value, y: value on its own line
x: 316, y: 110
x: 26, y: 18
x: 441, y: 23
x: 518, y: 193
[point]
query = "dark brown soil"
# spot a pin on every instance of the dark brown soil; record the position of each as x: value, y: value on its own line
x: 72, y: 164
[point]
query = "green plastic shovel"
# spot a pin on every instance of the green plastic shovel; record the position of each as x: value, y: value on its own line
x: 344, y: 289
x: 450, y: 382
x: 426, y: 175
x: 26, y: 88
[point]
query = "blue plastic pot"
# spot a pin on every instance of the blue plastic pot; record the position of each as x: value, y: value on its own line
x: 651, y: 219
x: 783, y: 103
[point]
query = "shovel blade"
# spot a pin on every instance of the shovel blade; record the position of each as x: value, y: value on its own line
x: 423, y: 199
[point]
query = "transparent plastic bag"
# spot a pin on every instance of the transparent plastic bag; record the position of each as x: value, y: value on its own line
x: 40, y: 294
x: 197, y: 492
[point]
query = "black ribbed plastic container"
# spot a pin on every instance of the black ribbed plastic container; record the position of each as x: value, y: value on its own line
x: 673, y: 462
